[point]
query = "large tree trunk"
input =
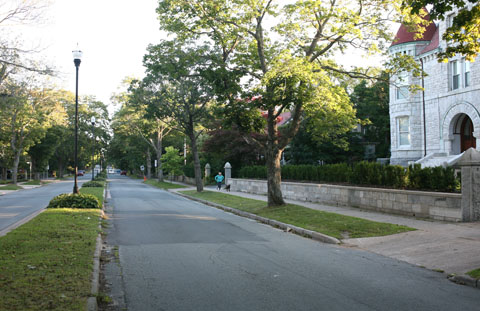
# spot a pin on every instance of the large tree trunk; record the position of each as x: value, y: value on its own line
x: 16, y: 161
x: 60, y: 169
x: 196, y: 162
x: 149, y: 164
x: 273, y: 155
x: 159, y: 156
x: 274, y: 176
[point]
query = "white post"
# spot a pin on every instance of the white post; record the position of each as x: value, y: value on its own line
x: 228, y: 173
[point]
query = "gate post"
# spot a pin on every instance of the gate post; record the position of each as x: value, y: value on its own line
x: 470, y: 164
x: 228, y: 172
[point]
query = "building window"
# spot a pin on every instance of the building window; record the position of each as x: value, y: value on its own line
x: 402, y: 86
x: 455, y: 75
x: 466, y: 70
x: 403, y: 131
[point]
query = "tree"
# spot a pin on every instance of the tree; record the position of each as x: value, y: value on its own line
x: 178, y: 86
x: 464, y: 30
x: 372, y: 104
x: 172, y: 161
x: 149, y: 126
x: 13, y: 57
x: 23, y: 118
x: 283, y: 53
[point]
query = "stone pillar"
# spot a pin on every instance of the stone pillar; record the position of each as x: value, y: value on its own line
x: 448, y: 145
x: 208, y: 170
x: 470, y: 164
x: 228, y: 173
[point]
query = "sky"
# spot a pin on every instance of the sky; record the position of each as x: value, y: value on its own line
x: 112, y: 34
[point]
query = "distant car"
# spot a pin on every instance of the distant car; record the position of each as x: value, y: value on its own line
x: 80, y: 173
x: 123, y: 173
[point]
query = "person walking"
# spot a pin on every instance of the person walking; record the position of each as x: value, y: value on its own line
x: 219, y: 178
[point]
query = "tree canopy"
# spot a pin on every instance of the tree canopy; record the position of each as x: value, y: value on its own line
x: 464, y: 29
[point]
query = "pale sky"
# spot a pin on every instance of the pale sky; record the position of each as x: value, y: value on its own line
x: 112, y: 34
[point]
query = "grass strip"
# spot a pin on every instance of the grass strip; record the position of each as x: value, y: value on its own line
x: 33, y: 183
x: 163, y: 185
x: 11, y: 187
x: 46, y: 264
x: 96, y: 191
x: 474, y: 273
x: 335, y: 225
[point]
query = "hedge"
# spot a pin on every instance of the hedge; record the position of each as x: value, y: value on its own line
x: 70, y: 200
x: 366, y: 173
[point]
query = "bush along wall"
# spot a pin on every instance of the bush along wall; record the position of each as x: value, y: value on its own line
x: 367, y: 174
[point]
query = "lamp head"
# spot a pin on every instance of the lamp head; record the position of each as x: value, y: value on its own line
x: 77, y: 57
x: 93, y: 120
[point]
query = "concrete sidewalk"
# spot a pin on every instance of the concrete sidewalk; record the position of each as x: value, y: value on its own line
x: 453, y: 248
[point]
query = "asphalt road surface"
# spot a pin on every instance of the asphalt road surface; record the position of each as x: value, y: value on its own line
x: 176, y: 254
x: 18, y: 205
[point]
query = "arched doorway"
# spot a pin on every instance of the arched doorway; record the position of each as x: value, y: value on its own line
x: 467, y: 140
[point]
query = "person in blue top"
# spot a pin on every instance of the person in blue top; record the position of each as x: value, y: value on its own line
x: 219, y: 178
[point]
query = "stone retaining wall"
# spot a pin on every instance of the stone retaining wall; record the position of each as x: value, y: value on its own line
x: 434, y: 205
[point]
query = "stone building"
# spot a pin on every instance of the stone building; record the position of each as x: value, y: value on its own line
x: 436, y: 126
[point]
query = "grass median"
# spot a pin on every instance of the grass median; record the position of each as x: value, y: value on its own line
x: 335, y: 225
x: 96, y: 191
x: 46, y: 264
x: 163, y: 185
x: 11, y: 187
x: 474, y: 273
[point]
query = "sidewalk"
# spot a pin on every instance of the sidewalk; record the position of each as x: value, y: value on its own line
x: 26, y: 187
x: 453, y: 248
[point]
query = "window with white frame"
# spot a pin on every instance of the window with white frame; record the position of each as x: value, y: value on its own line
x: 403, y: 129
x: 455, y: 75
x: 402, y: 85
x: 466, y: 72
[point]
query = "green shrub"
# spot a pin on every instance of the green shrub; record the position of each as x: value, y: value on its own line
x: 93, y: 183
x: 395, y: 176
x: 99, y: 178
x: 70, y: 200
x: 366, y: 173
x: 258, y: 172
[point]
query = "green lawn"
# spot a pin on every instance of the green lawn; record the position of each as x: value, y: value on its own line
x: 46, y: 264
x: 474, y: 273
x: 331, y: 224
x: 96, y: 191
x: 10, y: 187
x: 163, y: 185
x: 33, y: 183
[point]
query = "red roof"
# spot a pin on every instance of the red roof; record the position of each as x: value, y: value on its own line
x: 404, y: 36
x: 433, y: 44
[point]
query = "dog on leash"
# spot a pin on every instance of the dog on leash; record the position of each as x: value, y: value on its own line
x: 227, y: 188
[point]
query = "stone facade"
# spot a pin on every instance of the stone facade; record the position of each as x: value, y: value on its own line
x: 452, y: 93
x: 433, y: 205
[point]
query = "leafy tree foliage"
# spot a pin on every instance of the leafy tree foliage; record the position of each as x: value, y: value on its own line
x: 172, y: 161
x: 464, y: 30
x: 179, y: 85
x: 280, y: 54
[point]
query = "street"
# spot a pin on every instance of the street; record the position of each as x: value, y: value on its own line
x: 176, y: 254
x: 20, y: 204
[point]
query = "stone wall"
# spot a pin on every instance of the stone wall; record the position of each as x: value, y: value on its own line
x: 433, y: 205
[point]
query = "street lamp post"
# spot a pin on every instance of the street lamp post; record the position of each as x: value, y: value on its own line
x: 77, y: 59
x: 93, y: 147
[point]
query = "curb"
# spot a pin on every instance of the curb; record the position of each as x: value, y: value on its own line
x: 21, y: 222
x: 317, y: 236
x: 465, y: 280
x: 92, y: 304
